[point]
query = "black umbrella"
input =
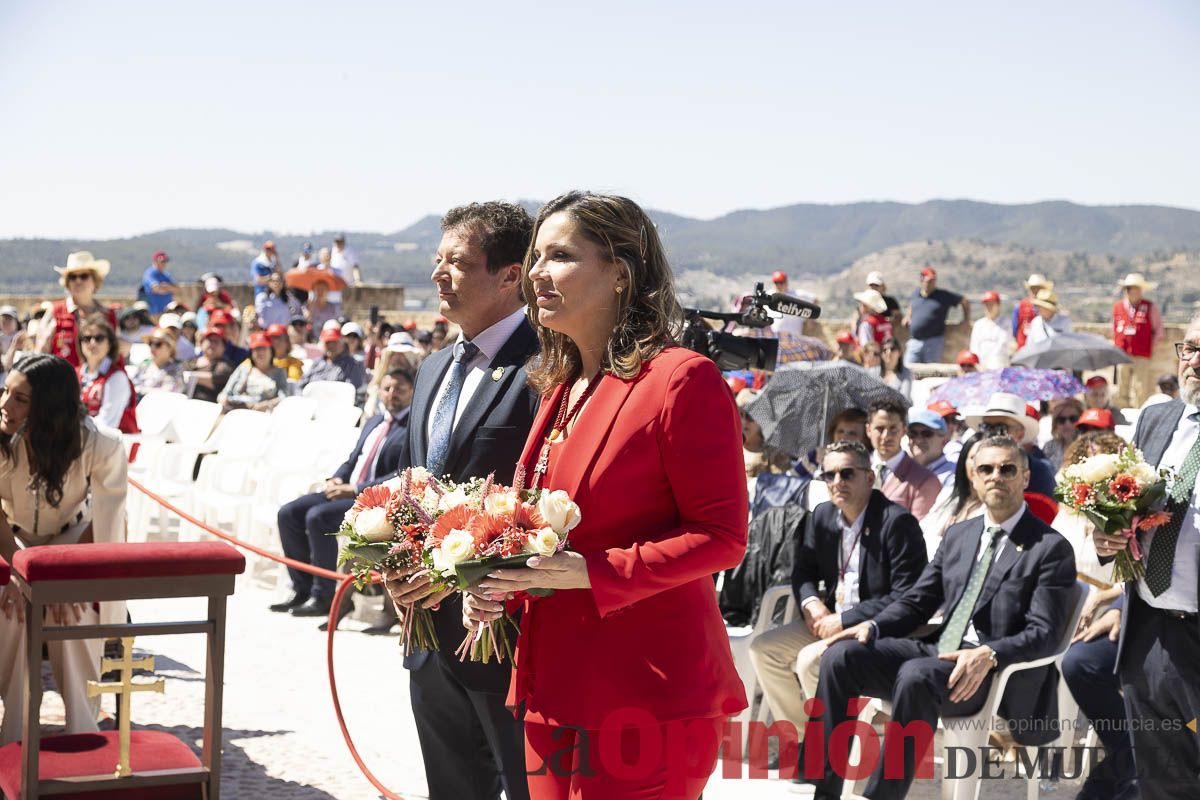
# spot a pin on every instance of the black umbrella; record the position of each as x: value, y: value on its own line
x: 1071, y: 351
x: 797, y: 403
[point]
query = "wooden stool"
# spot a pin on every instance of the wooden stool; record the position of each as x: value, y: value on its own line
x: 82, y: 766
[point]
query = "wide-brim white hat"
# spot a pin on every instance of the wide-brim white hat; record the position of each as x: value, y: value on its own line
x: 1039, y: 280
x: 872, y: 300
x: 1137, y: 279
x: 1003, y: 404
x: 83, y: 261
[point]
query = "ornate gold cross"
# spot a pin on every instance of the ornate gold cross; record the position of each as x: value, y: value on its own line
x: 125, y: 690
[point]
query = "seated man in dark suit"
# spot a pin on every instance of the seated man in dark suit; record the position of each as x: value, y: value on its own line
x: 856, y: 554
x: 306, y: 522
x: 1006, y: 581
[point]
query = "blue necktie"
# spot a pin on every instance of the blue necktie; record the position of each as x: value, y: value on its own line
x: 443, y: 415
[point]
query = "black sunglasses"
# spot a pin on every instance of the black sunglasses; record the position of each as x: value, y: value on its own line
x: 920, y: 433
x: 79, y: 276
x: 845, y: 473
x: 99, y: 337
x: 1006, y: 470
x: 1071, y: 420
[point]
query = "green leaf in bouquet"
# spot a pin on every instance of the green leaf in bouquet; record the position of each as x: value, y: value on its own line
x: 470, y: 573
x: 1114, y: 521
x: 1154, y: 497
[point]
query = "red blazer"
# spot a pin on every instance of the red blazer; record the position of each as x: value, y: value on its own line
x: 655, y: 464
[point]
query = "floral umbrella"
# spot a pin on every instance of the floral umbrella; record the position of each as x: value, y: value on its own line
x: 1032, y: 384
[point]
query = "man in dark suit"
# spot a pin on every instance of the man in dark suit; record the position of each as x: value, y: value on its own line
x: 1158, y: 656
x: 306, y: 522
x: 472, y: 411
x: 1006, y: 581
x: 857, y: 553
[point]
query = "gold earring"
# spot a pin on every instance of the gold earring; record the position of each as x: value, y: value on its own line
x: 620, y: 289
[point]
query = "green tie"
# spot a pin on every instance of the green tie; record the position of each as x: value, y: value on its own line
x: 1162, y: 547
x: 952, y: 634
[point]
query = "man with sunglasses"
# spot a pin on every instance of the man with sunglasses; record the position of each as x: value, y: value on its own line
x: 856, y: 553
x: 1006, y: 582
x: 1158, y: 656
x: 927, y: 438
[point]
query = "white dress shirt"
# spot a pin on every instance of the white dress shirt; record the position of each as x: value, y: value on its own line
x: 992, y: 342
x: 489, y: 342
x: 1181, y: 594
x: 849, y: 553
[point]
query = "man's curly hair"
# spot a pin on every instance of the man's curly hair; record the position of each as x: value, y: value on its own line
x: 502, y: 230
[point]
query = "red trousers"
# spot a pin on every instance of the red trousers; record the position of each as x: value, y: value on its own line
x: 634, y: 758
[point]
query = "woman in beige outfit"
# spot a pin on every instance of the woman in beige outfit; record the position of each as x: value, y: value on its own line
x: 62, y: 481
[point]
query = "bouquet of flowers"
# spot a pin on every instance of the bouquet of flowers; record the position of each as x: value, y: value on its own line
x: 1119, y: 493
x: 499, y: 526
x: 388, y: 527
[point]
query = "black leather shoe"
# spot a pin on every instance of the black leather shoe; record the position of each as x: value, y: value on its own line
x: 380, y: 630
x: 312, y: 607
x: 346, y: 608
x: 291, y: 602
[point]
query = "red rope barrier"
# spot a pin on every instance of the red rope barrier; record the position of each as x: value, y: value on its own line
x: 343, y: 582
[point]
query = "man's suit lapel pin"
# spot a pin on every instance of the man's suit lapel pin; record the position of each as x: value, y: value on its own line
x: 497, y: 374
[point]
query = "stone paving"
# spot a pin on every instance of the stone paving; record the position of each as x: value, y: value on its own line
x: 281, y: 738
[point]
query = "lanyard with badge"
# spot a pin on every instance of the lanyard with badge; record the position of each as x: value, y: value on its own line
x: 840, y: 595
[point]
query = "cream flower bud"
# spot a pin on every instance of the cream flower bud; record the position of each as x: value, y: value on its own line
x: 559, y: 511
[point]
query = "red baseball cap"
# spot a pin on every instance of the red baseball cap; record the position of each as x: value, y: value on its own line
x: 778, y: 276
x: 991, y: 297
x: 409, y: 325
x: 1096, y: 380
x: 220, y: 317
x: 259, y: 339
x: 278, y: 329
x: 211, y: 331
x: 331, y: 335
x: 1099, y: 418
x: 929, y: 272
x: 845, y: 337
x: 942, y: 407
x: 161, y: 254
x: 967, y: 357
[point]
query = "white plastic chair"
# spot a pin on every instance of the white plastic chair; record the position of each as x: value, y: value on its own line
x: 138, y: 352
x: 972, y: 732
x: 157, y: 409
x: 293, y: 411
x: 192, y: 422
x: 330, y: 393
x: 740, y: 640
x: 340, y: 416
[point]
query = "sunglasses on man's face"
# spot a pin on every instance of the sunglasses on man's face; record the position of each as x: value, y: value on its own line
x: 845, y: 473
x: 1006, y: 470
x: 920, y: 433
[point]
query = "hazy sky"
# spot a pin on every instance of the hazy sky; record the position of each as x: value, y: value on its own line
x: 122, y: 117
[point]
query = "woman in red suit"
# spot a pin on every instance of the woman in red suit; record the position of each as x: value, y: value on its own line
x: 625, y: 670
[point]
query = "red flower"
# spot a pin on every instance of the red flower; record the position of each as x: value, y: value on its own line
x: 1123, y: 487
x: 372, y: 497
x: 1153, y: 520
x: 457, y: 518
x: 1082, y: 493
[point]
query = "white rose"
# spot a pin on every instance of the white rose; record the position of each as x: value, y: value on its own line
x: 419, y: 475
x: 1144, y: 474
x: 1098, y: 467
x: 559, y: 512
x: 501, y: 503
x: 543, y: 543
x: 372, y: 524
x: 351, y: 515
x: 451, y: 499
x: 392, y: 484
x: 458, y: 546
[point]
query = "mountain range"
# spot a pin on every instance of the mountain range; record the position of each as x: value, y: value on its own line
x: 812, y: 242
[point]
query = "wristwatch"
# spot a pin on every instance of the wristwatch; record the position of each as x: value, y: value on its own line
x: 995, y: 662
